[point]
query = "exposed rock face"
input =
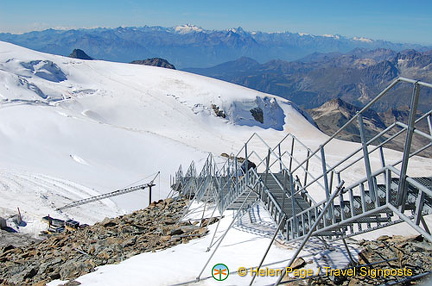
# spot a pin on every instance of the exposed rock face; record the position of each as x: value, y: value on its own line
x: 69, y: 255
x: 156, y: 62
x: 258, y: 114
x: 79, y: 54
x: 218, y: 111
x: 333, y: 114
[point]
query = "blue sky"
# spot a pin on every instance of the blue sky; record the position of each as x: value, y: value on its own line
x: 393, y: 20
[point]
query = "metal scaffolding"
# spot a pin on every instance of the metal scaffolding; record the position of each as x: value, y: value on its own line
x: 284, y: 182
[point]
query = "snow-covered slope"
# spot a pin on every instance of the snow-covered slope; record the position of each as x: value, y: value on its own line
x: 105, y: 125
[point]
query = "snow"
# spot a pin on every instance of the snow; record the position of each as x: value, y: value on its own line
x: 70, y: 129
x: 337, y: 37
x: 188, y: 28
x: 362, y: 39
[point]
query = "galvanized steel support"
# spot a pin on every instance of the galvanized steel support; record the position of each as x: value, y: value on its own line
x: 366, y: 159
x: 402, y: 189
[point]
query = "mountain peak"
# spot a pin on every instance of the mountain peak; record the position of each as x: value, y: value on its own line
x: 238, y: 30
x: 80, y: 54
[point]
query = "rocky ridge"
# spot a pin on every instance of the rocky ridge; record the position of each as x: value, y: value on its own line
x: 156, y: 62
x: 69, y: 255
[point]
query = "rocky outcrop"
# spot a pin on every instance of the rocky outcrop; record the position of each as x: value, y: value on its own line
x: 156, y: 62
x: 69, y: 255
x: 218, y: 111
x: 257, y: 114
x: 80, y: 54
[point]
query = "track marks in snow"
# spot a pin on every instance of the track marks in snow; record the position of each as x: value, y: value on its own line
x: 26, y: 190
x: 80, y: 191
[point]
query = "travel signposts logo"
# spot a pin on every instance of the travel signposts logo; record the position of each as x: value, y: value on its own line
x: 220, y: 272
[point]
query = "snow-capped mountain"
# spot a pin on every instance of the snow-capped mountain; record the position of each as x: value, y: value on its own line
x: 191, y: 46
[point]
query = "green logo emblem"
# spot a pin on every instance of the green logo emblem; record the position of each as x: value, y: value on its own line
x: 220, y: 272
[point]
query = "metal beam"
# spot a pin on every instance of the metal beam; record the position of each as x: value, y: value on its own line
x: 108, y: 195
x: 402, y: 190
x: 366, y: 159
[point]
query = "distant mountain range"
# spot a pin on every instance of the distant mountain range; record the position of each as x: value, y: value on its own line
x: 191, y: 46
x: 355, y: 77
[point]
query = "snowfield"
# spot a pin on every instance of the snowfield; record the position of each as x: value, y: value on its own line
x: 70, y: 129
x: 105, y: 125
